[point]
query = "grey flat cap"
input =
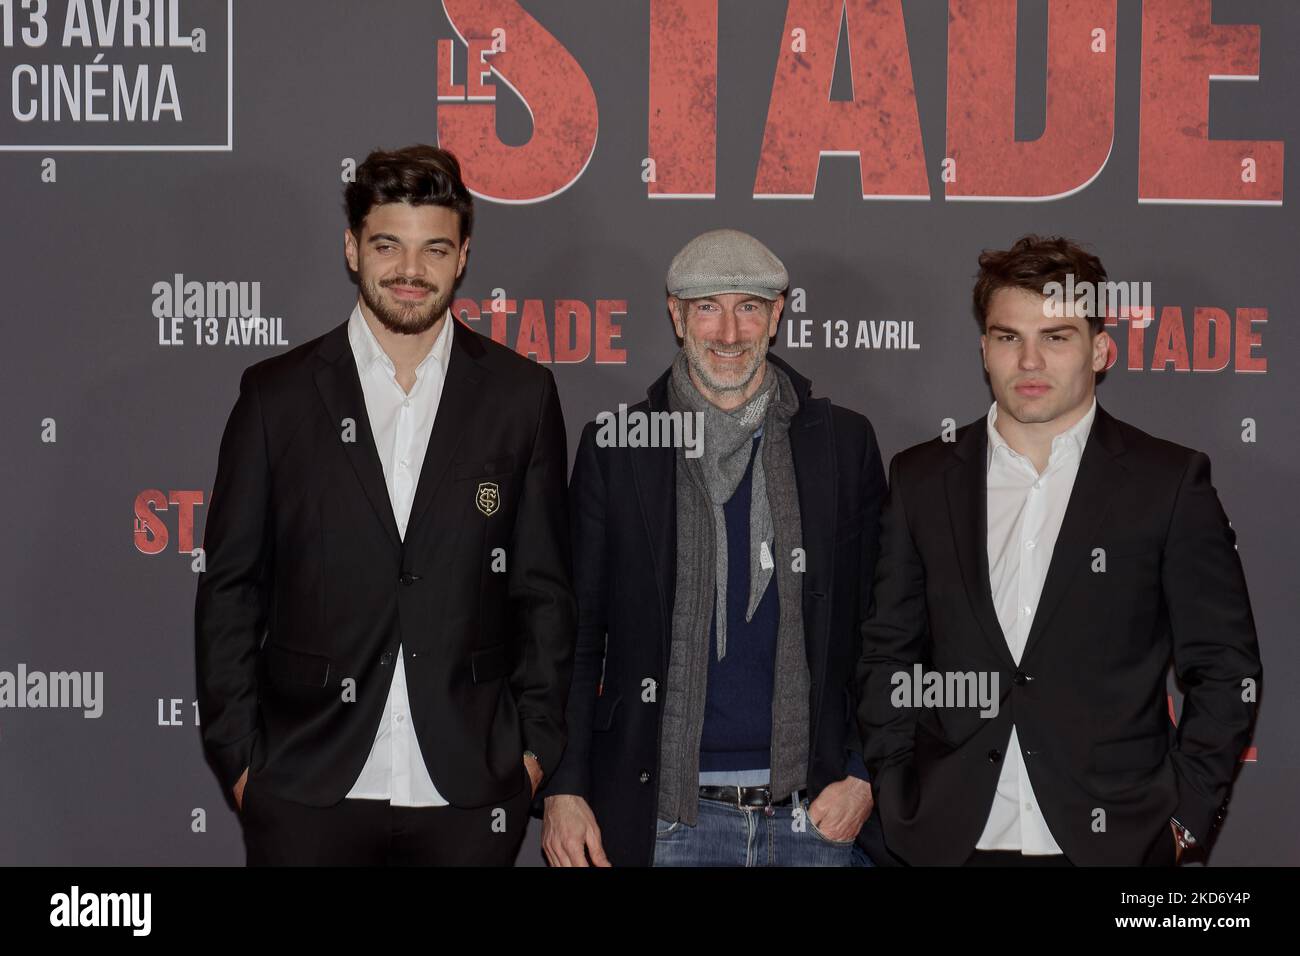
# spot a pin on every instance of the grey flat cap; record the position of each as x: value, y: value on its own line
x: 726, y: 260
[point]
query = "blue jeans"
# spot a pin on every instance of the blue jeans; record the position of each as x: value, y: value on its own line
x: 727, y: 835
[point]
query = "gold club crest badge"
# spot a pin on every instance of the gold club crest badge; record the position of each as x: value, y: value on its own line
x: 488, y: 498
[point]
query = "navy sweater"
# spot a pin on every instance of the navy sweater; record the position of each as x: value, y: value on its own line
x: 737, y: 733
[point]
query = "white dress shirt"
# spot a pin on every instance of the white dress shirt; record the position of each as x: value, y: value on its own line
x: 401, y: 424
x: 1025, y: 510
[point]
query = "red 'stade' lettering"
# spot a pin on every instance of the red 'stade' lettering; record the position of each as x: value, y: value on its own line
x: 879, y: 125
x: 151, y: 533
x: 553, y: 87
x: 1137, y: 334
x: 1171, y: 341
x: 1080, y: 126
x: 570, y: 327
x: 1137, y: 318
x: 499, y: 309
x: 150, y: 529
x: 684, y: 98
x: 1211, y: 340
x: 1177, y: 160
x: 607, y: 331
x: 532, y: 332
x: 1218, y: 340
x: 572, y: 346
x: 1248, y: 340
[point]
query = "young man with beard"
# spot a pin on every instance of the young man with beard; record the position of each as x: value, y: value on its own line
x: 719, y: 600
x: 1066, y: 556
x: 389, y: 509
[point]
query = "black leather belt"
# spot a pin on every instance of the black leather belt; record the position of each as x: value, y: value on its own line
x: 757, y: 797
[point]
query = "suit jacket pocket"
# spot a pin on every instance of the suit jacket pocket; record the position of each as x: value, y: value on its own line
x: 1139, y: 753
x: 298, y: 667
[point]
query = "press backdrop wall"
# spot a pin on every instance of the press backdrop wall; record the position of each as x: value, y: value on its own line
x: 220, y: 157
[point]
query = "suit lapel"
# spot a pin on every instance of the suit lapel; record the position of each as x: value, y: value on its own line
x: 814, y: 469
x: 967, y: 487
x: 456, y: 406
x: 654, y: 476
x: 339, y: 385
x: 813, y: 450
x: 1100, y: 472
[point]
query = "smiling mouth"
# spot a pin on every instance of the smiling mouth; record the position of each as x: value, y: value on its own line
x: 728, y: 354
x: 409, y: 292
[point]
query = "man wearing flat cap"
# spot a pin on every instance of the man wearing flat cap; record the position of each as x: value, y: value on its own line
x: 721, y: 586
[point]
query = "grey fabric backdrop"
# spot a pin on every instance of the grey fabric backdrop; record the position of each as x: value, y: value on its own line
x: 315, y: 84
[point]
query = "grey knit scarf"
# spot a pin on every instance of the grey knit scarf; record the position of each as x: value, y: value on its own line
x: 727, y: 448
x: 703, y: 485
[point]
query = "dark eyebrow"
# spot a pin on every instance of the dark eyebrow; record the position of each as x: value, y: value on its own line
x: 1054, y: 329
x: 389, y: 237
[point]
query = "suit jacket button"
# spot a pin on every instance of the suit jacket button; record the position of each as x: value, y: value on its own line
x: 1020, y: 678
x: 407, y: 578
x: 645, y: 776
x: 386, y: 659
x: 995, y: 755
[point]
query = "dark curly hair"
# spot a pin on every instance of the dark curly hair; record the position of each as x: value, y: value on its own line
x: 420, y: 175
x: 1031, y: 264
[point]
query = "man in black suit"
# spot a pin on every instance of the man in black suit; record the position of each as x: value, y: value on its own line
x: 1056, y: 557
x: 390, y: 512
x: 722, y: 577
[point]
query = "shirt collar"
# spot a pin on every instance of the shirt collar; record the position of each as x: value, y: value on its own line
x: 367, y: 350
x: 1076, y: 436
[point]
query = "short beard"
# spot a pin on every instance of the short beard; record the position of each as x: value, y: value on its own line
x: 695, y: 359
x: 404, y: 320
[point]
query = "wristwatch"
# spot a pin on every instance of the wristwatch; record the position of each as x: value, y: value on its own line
x: 1183, y: 835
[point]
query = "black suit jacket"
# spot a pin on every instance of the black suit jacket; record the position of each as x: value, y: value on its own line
x: 302, y: 546
x: 1089, y: 698
x: 624, y: 518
